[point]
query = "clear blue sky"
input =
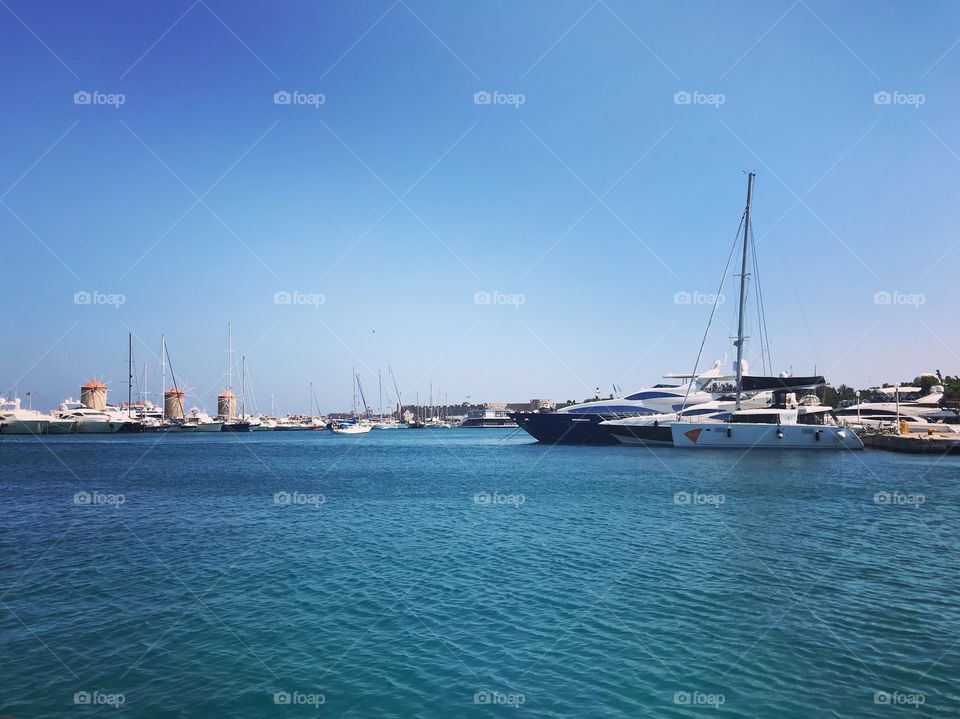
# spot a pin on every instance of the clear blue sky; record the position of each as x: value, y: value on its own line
x: 399, y: 198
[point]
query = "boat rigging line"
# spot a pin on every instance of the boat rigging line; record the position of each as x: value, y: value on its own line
x: 713, y: 311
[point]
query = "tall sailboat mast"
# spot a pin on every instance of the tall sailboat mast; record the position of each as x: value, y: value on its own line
x: 229, y: 357
x: 243, y: 384
x: 743, y: 286
x: 353, y: 371
x: 129, y: 374
x: 163, y: 378
x: 397, y: 392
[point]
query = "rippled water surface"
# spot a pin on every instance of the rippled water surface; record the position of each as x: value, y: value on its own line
x: 456, y: 573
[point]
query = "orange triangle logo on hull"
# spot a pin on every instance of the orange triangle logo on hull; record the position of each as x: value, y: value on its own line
x: 693, y: 435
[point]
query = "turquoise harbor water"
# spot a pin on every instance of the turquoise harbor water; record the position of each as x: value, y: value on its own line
x: 465, y: 573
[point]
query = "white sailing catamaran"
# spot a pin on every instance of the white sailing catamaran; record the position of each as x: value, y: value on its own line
x: 784, y: 425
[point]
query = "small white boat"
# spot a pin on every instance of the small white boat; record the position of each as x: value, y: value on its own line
x: 266, y: 424
x: 200, y: 421
x: 14, y: 419
x: 350, y: 427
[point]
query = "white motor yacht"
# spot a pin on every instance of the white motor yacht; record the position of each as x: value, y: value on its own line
x: 890, y: 405
x: 776, y: 427
x: 14, y: 419
x: 488, y: 418
x: 129, y: 422
x: 86, y: 420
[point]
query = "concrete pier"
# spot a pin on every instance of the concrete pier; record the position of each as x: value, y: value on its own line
x: 914, y: 443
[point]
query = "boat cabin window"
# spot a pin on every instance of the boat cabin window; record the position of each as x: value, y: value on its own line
x: 771, y: 418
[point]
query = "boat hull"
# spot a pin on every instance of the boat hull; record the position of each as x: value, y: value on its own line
x: 720, y: 435
x: 641, y: 434
x: 235, y: 427
x: 353, y: 429
x: 24, y: 426
x: 130, y: 426
x: 62, y: 426
x: 563, y: 428
x: 98, y: 427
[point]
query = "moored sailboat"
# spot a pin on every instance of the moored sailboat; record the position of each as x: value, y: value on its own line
x: 776, y: 427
